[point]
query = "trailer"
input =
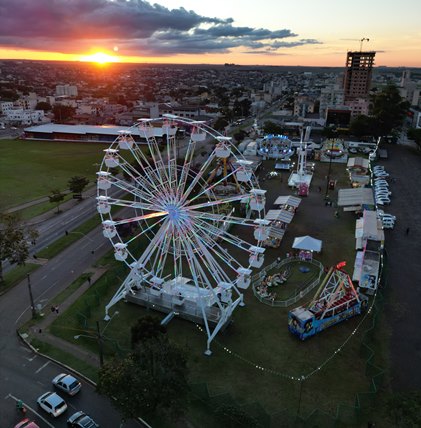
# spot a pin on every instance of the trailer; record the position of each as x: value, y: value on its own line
x: 336, y: 300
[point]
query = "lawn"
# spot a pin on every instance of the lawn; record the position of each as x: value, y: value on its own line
x: 31, y: 169
x: 256, y: 361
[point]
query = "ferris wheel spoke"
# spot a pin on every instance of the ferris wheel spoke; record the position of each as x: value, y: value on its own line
x: 199, y: 175
x: 161, y: 255
x: 211, y: 187
x: 211, y: 261
x: 224, y: 235
x: 150, y: 249
x: 132, y: 204
x: 158, y: 184
x: 192, y: 251
x: 152, y: 177
x: 141, y: 217
x: 222, y: 218
x: 172, y: 161
x: 144, y: 181
x: 135, y: 191
x: 242, y: 197
x: 188, y: 160
x: 145, y: 230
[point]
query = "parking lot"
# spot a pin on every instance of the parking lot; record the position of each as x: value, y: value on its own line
x: 403, y: 292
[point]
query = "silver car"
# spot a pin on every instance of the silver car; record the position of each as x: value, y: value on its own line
x: 52, y: 403
x: 67, y: 383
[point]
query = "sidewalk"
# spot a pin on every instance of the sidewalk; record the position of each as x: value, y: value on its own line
x: 40, y: 331
x: 90, y: 192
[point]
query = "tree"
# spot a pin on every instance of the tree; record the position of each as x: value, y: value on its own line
x: 241, y: 108
x: 415, y: 134
x: 77, y: 184
x: 56, y: 197
x: 389, y: 109
x: 152, y: 378
x: 43, y: 105
x: 63, y: 113
x: 272, y: 128
x: 362, y: 125
x: 220, y: 124
x: 239, y: 136
x: 15, y: 239
x: 405, y: 409
x: 146, y: 328
x: 234, y: 417
x: 329, y: 132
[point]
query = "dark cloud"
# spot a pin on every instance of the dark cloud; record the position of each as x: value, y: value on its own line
x: 136, y: 26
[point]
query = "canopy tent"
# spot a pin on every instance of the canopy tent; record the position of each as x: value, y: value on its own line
x: 307, y: 243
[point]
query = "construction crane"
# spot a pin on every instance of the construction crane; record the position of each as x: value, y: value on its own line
x: 361, y: 43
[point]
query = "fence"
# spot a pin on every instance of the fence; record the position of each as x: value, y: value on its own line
x: 313, y: 282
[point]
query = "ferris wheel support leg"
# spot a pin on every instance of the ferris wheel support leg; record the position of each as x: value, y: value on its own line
x: 208, y: 352
x: 242, y: 304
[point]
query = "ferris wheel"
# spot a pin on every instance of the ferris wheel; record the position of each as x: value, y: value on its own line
x: 189, y: 249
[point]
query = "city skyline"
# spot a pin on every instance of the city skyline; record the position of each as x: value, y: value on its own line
x: 244, y: 32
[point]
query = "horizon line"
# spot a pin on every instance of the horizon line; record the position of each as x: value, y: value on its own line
x: 107, y: 64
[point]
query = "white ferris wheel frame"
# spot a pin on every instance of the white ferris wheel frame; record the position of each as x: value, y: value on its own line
x: 190, y: 231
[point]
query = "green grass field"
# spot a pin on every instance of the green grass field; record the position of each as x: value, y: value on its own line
x: 256, y: 359
x: 31, y: 169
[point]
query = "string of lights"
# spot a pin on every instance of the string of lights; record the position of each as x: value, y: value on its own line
x: 303, y: 376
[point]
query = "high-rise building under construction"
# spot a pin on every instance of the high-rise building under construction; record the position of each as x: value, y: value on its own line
x: 358, y: 72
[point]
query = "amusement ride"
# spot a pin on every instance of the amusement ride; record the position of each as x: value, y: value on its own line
x: 184, y: 251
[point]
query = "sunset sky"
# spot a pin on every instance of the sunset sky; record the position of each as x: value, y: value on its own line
x: 271, y: 32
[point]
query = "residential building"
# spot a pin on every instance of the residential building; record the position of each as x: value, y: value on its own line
x: 69, y: 90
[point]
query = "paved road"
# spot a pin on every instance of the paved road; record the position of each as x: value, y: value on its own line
x: 25, y: 375
x: 404, y: 252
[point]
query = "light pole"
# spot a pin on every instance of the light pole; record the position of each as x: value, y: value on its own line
x: 99, y: 336
x: 330, y: 167
x: 299, y: 398
x: 31, y: 297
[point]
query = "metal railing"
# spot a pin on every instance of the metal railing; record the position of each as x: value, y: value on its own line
x: 304, y: 290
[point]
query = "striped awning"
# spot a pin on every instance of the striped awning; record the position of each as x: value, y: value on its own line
x: 273, y: 214
x: 291, y: 201
x: 280, y: 215
x: 276, y: 232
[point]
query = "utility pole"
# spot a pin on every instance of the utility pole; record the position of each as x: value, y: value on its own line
x: 100, y: 344
x: 31, y: 297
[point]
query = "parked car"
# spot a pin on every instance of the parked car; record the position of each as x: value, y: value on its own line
x: 388, y: 223
x: 380, y: 180
x: 378, y: 168
x: 381, y: 213
x: 381, y: 174
x: 26, y: 423
x: 81, y: 420
x: 383, y: 193
x: 52, y: 403
x: 67, y: 383
x: 382, y: 189
x: 382, y: 200
x: 381, y: 186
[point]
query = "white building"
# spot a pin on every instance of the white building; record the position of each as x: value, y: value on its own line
x: 69, y: 90
x: 330, y: 97
x: 6, y: 106
x: 24, y: 117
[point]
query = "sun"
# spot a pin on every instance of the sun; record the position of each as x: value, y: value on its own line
x: 99, y: 58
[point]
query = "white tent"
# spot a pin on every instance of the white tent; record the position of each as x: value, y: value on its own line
x: 307, y: 243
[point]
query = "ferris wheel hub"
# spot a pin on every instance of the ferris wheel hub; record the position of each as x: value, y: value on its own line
x: 174, y: 212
